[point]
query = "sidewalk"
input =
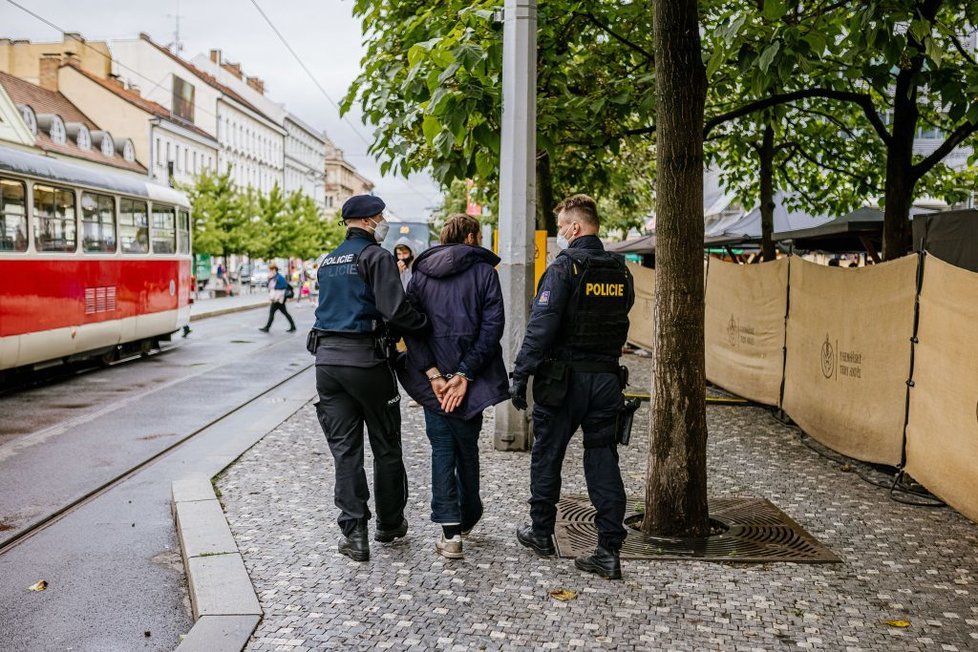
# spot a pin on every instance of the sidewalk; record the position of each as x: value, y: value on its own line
x: 205, y: 307
x: 901, y: 562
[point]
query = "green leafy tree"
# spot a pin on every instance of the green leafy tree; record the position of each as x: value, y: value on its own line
x: 431, y: 85
x: 220, y: 219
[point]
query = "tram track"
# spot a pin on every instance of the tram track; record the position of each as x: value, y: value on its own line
x: 37, y: 525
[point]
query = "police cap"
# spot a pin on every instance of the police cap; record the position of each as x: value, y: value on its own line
x: 362, y: 206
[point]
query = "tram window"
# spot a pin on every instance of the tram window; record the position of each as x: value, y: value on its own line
x: 98, y: 223
x: 13, y: 216
x: 54, y: 218
x: 164, y: 230
x: 183, y: 232
x: 133, y: 226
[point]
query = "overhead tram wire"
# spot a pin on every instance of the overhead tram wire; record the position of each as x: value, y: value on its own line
x: 322, y: 90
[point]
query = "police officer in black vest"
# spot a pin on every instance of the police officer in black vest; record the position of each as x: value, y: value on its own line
x: 361, y: 302
x: 578, y: 324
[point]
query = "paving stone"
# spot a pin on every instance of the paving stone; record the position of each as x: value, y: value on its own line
x: 219, y: 634
x: 202, y: 529
x: 900, y: 562
x: 195, y: 486
x: 219, y: 586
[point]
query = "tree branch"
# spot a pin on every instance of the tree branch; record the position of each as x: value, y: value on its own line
x: 831, y: 118
x: 956, y: 138
x: 861, y: 99
x: 618, y: 37
x: 831, y: 168
x: 957, y: 46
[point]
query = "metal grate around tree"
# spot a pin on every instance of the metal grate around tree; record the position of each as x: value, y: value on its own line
x: 749, y: 529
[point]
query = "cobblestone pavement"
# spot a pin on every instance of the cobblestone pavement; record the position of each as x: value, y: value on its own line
x: 901, y: 562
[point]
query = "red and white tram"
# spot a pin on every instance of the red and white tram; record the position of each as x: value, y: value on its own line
x: 91, y: 262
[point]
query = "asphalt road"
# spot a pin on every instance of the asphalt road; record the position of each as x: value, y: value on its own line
x: 113, y: 563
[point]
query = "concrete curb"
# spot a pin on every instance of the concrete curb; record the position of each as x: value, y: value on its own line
x: 225, y: 607
x: 217, y: 312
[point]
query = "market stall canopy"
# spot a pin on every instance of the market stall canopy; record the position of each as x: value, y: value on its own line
x: 859, y: 231
x: 952, y: 236
x: 747, y: 229
x: 643, y: 245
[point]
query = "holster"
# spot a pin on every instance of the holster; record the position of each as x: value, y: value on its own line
x: 626, y: 415
x: 312, y: 341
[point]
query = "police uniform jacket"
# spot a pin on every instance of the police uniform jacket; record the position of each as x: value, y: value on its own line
x: 360, y: 299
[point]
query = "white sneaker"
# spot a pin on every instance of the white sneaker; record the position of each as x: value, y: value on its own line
x: 450, y: 548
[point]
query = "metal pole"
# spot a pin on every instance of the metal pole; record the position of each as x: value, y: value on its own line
x: 517, y: 198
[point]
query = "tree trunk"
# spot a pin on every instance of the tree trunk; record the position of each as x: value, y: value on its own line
x: 546, y: 220
x: 675, y: 495
x: 900, y: 183
x: 766, y: 153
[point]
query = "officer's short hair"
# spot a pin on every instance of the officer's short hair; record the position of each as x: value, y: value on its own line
x: 583, y: 207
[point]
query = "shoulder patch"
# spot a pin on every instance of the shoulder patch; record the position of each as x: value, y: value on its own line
x: 544, y: 298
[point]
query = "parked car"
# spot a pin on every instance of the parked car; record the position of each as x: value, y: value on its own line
x: 259, y: 274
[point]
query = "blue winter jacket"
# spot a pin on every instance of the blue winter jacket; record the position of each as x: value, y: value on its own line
x: 457, y: 287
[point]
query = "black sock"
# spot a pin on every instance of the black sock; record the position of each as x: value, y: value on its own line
x: 451, y: 531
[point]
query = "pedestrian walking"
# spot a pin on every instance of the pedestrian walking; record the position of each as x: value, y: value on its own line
x: 457, y: 371
x: 578, y: 324
x: 278, y: 289
x: 361, y: 303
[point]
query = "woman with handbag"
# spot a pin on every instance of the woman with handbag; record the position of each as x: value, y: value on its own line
x: 278, y: 291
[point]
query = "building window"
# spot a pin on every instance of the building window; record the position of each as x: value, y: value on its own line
x: 30, y: 119
x: 195, y: 162
x: 57, y: 131
x: 108, y: 147
x: 186, y: 160
x: 157, y: 154
x: 83, y: 138
x: 98, y: 223
x: 129, y: 151
x: 133, y: 226
x: 176, y: 157
x: 13, y: 215
x: 183, y: 99
x: 164, y: 230
x: 54, y: 218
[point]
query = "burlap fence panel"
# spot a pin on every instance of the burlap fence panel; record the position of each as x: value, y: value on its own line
x: 640, y: 317
x: 848, y: 355
x: 745, y: 308
x: 942, y: 433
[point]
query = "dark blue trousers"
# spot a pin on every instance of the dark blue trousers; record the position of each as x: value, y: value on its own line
x: 592, y: 404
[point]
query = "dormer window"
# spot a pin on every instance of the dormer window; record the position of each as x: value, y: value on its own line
x: 103, y: 140
x: 129, y: 151
x: 57, y: 132
x: 83, y: 138
x: 30, y: 119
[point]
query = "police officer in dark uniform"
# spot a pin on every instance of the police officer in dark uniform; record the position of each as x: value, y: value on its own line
x: 361, y: 302
x: 578, y: 324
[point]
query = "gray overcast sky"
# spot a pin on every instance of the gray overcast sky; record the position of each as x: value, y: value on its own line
x: 324, y: 33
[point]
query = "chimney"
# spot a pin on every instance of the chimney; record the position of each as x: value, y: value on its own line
x: 49, y: 71
x: 133, y: 88
x: 216, y: 56
x: 72, y: 59
x: 115, y: 80
x: 73, y: 36
x: 233, y: 68
x: 257, y: 84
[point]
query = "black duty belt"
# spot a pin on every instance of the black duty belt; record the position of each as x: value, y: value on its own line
x: 590, y: 367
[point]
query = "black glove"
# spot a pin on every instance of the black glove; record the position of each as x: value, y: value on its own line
x: 517, y: 393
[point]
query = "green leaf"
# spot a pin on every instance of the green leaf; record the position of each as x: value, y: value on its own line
x: 934, y: 50
x: 774, y: 9
x: 431, y: 127
x: 764, y: 61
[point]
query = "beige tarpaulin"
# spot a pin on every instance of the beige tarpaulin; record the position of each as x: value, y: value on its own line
x: 942, y: 434
x: 848, y: 357
x: 745, y: 307
x: 640, y: 317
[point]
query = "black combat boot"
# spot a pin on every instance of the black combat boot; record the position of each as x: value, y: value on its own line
x: 386, y: 536
x: 355, y: 546
x: 540, y: 544
x: 604, y: 562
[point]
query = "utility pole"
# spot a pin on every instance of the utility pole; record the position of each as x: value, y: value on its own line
x: 517, y: 198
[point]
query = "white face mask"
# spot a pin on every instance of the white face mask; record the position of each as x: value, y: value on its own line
x: 380, y: 230
x: 562, y: 241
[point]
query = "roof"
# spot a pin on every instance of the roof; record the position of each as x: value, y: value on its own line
x: 15, y: 160
x: 42, y: 101
x: 141, y: 102
x: 206, y: 77
x: 850, y: 232
x: 748, y: 227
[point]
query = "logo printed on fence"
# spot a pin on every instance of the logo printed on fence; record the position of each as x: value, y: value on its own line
x: 828, y: 358
x: 738, y: 333
x: 732, y: 331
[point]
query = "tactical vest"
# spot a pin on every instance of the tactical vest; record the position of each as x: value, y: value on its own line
x: 596, y: 318
x: 346, y: 303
